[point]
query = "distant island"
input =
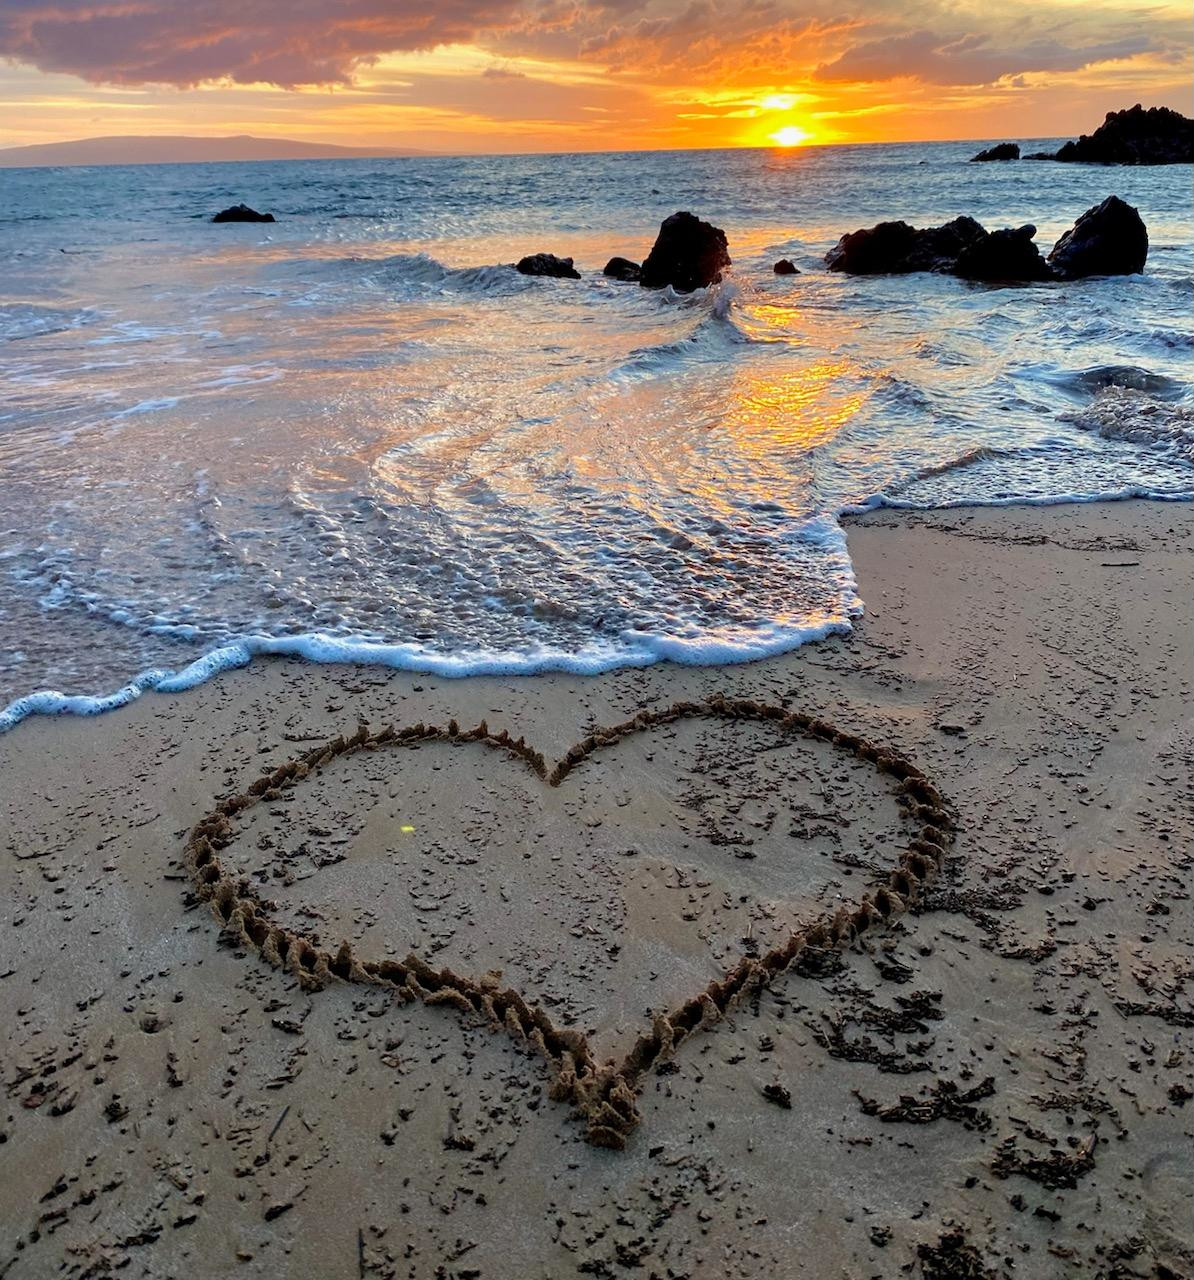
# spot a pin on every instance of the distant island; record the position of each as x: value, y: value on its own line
x: 180, y: 149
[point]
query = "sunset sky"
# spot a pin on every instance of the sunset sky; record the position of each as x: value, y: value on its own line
x: 561, y: 75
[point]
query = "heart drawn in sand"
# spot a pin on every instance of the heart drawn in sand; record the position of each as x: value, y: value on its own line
x: 604, y: 1093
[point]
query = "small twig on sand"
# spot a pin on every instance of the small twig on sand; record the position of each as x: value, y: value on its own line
x: 277, y: 1124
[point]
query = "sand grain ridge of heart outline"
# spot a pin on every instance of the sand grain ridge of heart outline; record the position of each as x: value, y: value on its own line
x: 605, y: 1094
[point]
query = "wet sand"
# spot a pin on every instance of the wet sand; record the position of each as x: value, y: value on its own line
x: 984, y: 1072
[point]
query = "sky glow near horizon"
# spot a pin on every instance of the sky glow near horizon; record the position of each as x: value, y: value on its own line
x: 561, y: 75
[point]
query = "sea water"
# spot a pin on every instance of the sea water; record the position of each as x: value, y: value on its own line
x: 358, y: 434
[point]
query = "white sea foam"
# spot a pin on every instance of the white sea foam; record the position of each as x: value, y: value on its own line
x: 148, y: 406
x: 1124, y: 413
x: 638, y: 650
x: 31, y: 320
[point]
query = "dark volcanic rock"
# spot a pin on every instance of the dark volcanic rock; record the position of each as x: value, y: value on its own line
x: 623, y: 269
x: 1003, y: 255
x: 1135, y: 136
x: 962, y: 247
x: 895, y: 248
x: 547, y: 264
x: 877, y: 250
x: 1108, y: 240
x: 786, y: 267
x: 1004, y: 151
x: 688, y: 254
x: 242, y: 213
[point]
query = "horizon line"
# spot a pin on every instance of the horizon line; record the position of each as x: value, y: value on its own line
x: 406, y: 152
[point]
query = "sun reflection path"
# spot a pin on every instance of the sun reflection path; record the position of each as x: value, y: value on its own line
x: 796, y: 411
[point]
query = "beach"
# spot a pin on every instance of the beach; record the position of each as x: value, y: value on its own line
x: 994, y: 1082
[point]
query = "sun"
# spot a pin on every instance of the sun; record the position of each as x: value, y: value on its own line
x: 791, y: 135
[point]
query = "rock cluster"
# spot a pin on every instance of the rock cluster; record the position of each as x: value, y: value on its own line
x: 895, y: 248
x: 687, y: 254
x: 1135, y: 136
x: 1110, y: 239
x: 1010, y: 254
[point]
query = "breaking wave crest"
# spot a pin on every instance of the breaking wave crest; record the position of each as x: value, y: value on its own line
x: 1123, y: 413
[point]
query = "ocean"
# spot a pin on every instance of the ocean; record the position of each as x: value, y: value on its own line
x: 358, y: 434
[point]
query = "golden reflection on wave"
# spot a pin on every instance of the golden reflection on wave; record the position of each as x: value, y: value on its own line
x: 731, y: 445
x: 794, y: 411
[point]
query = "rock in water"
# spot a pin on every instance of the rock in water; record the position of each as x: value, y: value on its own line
x: 1135, y: 136
x: 623, y: 269
x: 962, y: 247
x: 871, y: 251
x: 1003, y: 151
x: 1108, y: 240
x: 1003, y: 255
x: 688, y: 254
x: 547, y: 264
x: 786, y: 267
x: 895, y: 248
x: 242, y: 213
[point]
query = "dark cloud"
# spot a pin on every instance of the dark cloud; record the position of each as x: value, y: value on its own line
x: 971, y: 59
x: 310, y: 42
x: 186, y: 42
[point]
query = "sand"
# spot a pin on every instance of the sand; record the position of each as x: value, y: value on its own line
x: 990, y: 1078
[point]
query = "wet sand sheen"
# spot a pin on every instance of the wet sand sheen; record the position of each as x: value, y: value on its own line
x: 1007, y: 1056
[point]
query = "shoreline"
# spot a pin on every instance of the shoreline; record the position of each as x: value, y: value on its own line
x: 1010, y: 1060
x: 240, y: 654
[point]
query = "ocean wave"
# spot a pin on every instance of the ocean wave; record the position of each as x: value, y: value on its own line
x: 1085, y: 384
x: 28, y: 320
x: 490, y: 278
x: 1062, y: 498
x: 693, y: 645
x: 1125, y: 413
x: 1170, y: 340
x: 635, y: 649
x: 421, y: 270
x: 1056, y: 470
x: 713, y: 338
x: 416, y: 275
x: 981, y: 453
